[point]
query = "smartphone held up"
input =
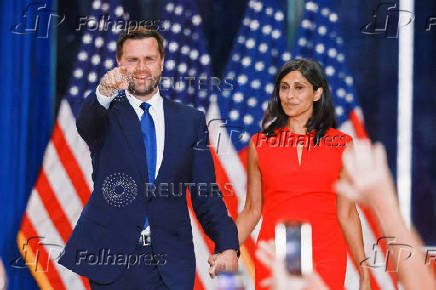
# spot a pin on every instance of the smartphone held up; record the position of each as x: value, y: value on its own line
x: 293, y: 241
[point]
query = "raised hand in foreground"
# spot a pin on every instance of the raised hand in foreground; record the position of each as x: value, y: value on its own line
x: 367, y: 180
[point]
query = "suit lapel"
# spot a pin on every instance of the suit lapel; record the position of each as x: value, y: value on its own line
x: 131, y: 129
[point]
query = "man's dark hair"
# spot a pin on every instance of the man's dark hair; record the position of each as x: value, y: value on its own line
x: 139, y: 32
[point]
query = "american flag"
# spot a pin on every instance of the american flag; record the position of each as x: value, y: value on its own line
x: 259, y: 51
x: 64, y: 182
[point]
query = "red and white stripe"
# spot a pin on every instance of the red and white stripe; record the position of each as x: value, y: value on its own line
x: 62, y: 189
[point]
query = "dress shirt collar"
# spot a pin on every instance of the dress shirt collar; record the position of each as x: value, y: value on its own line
x: 155, y: 101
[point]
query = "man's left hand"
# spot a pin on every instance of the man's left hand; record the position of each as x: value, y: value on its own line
x: 226, y: 261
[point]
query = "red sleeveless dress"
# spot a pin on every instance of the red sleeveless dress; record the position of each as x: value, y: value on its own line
x: 304, y: 192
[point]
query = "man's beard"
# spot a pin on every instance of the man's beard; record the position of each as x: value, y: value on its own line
x: 147, y: 90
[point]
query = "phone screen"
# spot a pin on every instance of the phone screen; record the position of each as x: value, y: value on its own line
x: 294, y: 246
x: 293, y: 250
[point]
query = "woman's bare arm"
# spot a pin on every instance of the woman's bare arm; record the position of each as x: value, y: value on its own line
x: 349, y: 221
x: 250, y: 215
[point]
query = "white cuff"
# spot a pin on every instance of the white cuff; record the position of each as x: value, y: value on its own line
x: 103, y: 100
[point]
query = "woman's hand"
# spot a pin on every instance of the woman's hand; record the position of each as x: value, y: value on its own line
x: 364, y: 276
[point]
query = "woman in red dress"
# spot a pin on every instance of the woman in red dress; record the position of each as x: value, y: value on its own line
x: 293, y: 164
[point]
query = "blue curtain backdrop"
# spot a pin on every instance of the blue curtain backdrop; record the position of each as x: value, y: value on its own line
x: 424, y: 124
x: 27, y: 80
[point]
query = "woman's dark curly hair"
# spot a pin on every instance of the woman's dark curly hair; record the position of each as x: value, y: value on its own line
x: 323, y: 117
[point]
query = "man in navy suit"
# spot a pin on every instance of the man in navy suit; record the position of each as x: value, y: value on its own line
x: 135, y: 230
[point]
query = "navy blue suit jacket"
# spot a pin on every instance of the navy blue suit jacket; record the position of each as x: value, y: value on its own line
x: 112, y: 224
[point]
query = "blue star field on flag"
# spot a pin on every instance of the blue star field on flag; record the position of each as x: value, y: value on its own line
x: 319, y: 38
x: 96, y: 54
x: 187, y: 59
x: 259, y: 50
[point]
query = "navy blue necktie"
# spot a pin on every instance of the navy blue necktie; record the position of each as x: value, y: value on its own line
x: 149, y: 136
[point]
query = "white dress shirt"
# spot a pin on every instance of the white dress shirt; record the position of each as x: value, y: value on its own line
x: 156, y: 112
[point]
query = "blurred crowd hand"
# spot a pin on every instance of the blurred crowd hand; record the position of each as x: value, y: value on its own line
x: 281, y: 279
x: 227, y: 261
x: 367, y: 180
x: 366, y: 177
x: 3, y: 277
x: 116, y: 79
